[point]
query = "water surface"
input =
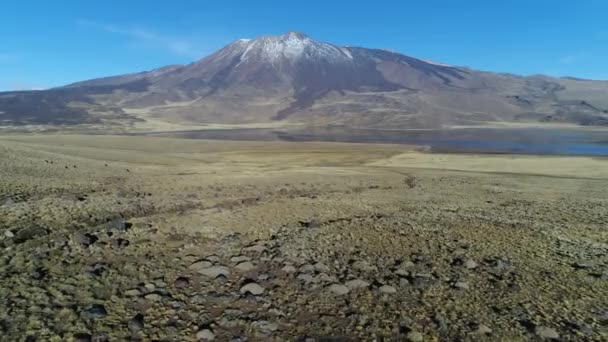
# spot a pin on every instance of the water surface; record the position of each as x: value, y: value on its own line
x: 470, y: 140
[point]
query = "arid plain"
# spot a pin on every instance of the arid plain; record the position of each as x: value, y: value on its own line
x: 111, y: 238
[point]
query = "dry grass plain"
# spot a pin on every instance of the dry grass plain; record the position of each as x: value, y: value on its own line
x: 111, y: 238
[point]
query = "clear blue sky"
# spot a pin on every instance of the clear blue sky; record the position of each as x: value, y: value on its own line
x: 49, y: 43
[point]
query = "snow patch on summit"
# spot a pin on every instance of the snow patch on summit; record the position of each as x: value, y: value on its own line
x: 290, y: 48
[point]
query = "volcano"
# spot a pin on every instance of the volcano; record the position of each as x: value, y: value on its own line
x: 294, y: 79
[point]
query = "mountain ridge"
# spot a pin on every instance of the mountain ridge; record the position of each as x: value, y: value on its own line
x: 294, y: 79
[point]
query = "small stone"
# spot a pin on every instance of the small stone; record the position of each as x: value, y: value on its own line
x: 265, y: 328
x: 255, y: 249
x: 8, y: 234
x: 483, y: 330
x: 245, y: 266
x: 8, y: 202
x: 338, y: 289
x: 546, y: 333
x: 461, y: 285
x: 29, y: 233
x: 364, y: 266
x: 310, y: 224
x: 470, y: 264
x: 200, y: 265
x: 119, y: 224
x: 424, y: 275
x: 289, y: 269
x: 84, y: 239
x: 407, y: 264
x: 215, y: 271
x: 324, y: 277
x: 95, y: 311
x: 252, y: 288
x: 319, y: 267
x: 213, y: 258
x: 150, y: 287
x: 414, y: 336
x: 132, y: 293
x: 387, y: 289
x: 402, y: 273
x: 82, y: 337
x: 136, y: 323
x: 155, y: 297
x: 205, y: 335
x: 582, y: 265
x: 308, y: 268
x: 240, y: 258
x: 356, y: 284
x: 181, y: 282
x: 307, y: 278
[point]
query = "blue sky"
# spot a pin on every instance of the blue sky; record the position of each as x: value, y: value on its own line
x: 51, y: 43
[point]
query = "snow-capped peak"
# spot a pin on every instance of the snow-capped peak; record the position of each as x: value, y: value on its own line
x: 290, y: 48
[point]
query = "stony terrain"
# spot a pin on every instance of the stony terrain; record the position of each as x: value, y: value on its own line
x: 133, y: 238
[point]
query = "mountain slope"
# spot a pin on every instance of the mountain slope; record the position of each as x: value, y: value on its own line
x: 292, y: 78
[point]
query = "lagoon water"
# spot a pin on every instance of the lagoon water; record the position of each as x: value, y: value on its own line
x: 584, y: 141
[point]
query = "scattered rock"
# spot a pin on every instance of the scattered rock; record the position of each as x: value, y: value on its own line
x: 136, y: 323
x: 305, y: 277
x: 132, y: 293
x: 310, y: 224
x: 414, y: 336
x: 324, y: 277
x: 338, y: 289
x: 582, y: 265
x: 181, y: 282
x: 258, y: 248
x: 154, y: 297
x: 120, y: 243
x: 119, y: 224
x: 240, y: 258
x: 402, y: 273
x: 265, y: 328
x: 7, y: 202
x: 253, y: 288
x: 470, y: 264
x: 356, y: 284
x: 205, y: 335
x: 461, y: 285
x: 364, y: 266
x: 407, y: 264
x: 288, y: 269
x: 200, y: 265
x: 95, y: 311
x: 85, y: 239
x: 245, y: 266
x: 83, y: 337
x: 483, y: 330
x: 387, y: 289
x: 26, y: 234
x: 319, y: 267
x: 215, y: 271
x: 307, y: 268
x: 546, y: 333
x: 8, y: 234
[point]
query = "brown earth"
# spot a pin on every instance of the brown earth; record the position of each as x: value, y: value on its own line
x: 118, y: 238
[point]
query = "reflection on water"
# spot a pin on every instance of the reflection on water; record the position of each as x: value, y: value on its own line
x: 477, y: 140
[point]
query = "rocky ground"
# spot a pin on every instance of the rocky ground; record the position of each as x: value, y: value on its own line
x: 134, y: 241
